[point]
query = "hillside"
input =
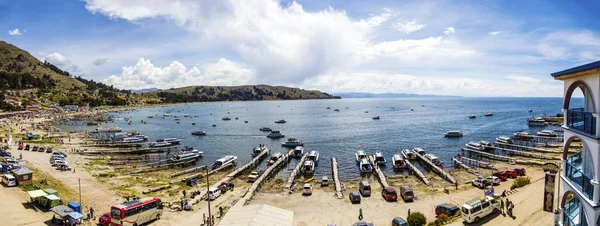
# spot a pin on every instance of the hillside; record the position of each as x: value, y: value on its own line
x: 233, y: 93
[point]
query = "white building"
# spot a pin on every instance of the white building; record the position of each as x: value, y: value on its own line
x: 580, y: 190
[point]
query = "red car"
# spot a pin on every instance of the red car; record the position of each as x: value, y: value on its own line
x: 511, y: 173
x: 105, y: 219
x: 520, y: 171
x: 389, y: 194
x: 500, y: 175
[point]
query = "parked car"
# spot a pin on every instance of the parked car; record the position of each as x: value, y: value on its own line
x: 399, y: 221
x: 407, y: 193
x: 58, y: 162
x: 49, y: 149
x: 446, y: 208
x: 307, y: 189
x: 60, y: 153
x: 27, y: 147
x: 54, y: 158
x: 213, y: 193
x: 364, y: 188
x: 492, y: 180
x: 511, y: 173
x: 354, y: 197
x: 104, y: 219
x: 63, y: 167
x: 42, y: 149
x: 389, y: 194
x: 324, y: 181
x: 362, y: 223
x: 254, y: 175
x: 479, y: 182
x: 500, y: 175
x: 35, y: 148
x: 520, y: 171
x: 5, y: 154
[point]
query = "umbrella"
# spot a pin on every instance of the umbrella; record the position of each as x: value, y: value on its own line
x: 75, y: 215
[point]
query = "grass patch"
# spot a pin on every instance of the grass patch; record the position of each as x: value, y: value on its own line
x: 64, y: 192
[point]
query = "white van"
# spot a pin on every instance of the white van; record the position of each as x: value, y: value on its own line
x: 9, y: 180
x: 213, y: 193
x: 476, y: 209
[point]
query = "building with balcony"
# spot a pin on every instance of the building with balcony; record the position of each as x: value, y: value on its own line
x: 580, y: 190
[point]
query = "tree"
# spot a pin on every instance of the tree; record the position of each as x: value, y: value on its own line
x: 416, y: 219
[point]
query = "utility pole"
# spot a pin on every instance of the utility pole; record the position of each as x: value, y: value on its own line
x: 208, y: 196
x: 80, y: 202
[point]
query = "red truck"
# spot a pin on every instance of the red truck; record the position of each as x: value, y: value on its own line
x: 511, y: 173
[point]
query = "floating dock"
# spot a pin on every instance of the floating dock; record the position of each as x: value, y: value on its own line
x: 418, y: 172
x: 469, y: 169
x: 292, y: 178
x: 380, y: 175
x: 437, y: 169
x: 336, y: 178
x: 267, y: 174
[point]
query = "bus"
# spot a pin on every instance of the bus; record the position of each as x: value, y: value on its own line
x: 9, y: 180
x: 476, y: 209
x: 136, y: 212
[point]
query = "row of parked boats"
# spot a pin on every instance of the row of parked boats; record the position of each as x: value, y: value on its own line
x: 398, y: 160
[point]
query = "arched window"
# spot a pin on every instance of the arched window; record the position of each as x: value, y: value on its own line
x: 573, y: 213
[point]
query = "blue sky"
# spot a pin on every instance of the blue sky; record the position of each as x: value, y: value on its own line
x: 468, y: 48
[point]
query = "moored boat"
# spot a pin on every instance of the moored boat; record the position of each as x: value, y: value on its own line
x: 265, y: 129
x: 379, y: 159
x: 421, y: 151
x: 536, y: 121
x: 199, y: 133
x: 274, y: 158
x: 224, y: 161
x: 486, y: 145
x: 298, y: 151
x: 132, y: 140
x: 475, y: 146
x: 186, y: 156
x: 292, y: 143
x: 365, y: 166
x: 399, y: 161
x: 408, y: 154
x: 434, y: 159
x: 256, y: 151
x: 308, y: 167
x: 546, y: 133
x: 173, y: 141
x: 522, y: 136
x: 159, y: 144
x: 275, y: 134
x: 313, y: 156
x: 453, y: 133
x: 360, y: 155
x: 503, y: 139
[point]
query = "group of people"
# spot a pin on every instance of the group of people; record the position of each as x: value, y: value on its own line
x: 509, y: 207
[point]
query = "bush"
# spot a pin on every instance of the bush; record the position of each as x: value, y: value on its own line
x: 520, y: 182
x: 416, y: 219
x: 443, y: 217
x: 438, y: 222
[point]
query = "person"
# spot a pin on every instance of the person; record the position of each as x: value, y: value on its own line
x: 231, y: 186
x: 220, y: 211
x: 89, y: 216
x: 204, y: 218
x: 504, y: 193
x: 184, y: 193
x: 20, y: 155
x: 212, y: 222
x: 409, y: 212
x: 456, y: 185
x: 53, y: 219
x: 360, y: 215
x: 502, y: 206
x: 92, y: 212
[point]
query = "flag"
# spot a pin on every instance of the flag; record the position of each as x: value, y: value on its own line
x: 489, y: 192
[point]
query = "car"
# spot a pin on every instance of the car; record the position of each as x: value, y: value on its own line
x: 254, y: 175
x: 42, y: 149
x: 479, y: 182
x: 307, y: 189
x: 58, y: 162
x: 63, y: 167
x: 5, y: 154
x: 27, y: 147
x: 362, y: 223
x: 354, y: 197
x: 407, y: 193
x: 49, y: 150
x: 446, y: 208
x: 520, y: 171
x: 399, y: 221
x: 20, y: 147
x: 60, y: 153
x: 364, y: 188
x: 493, y: 180
x: 389, y: 194
x: 35, y: 148
x: 511, y: 173
x: 54, y: 158
x: 213, y: 193
x: 324, y: 181
x: 500, y: 175
x: 104, y: 219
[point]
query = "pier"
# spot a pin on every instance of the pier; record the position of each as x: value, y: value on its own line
x: 469, y: 169
x: 528, y: 154
x: 380, y: 176
x: 418, y: 172
x: 336, y: 178
x: 255, y: 161
x: 292, y: 179
x: 161, y: 167
x: 489, y: 156
x: 267, y: 174
x: 190, y: 170
x: 480, y: 164
x: 437, y: 169
x: 200, y: 175
x: 527, y: 148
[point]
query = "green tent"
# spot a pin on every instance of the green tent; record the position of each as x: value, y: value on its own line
x: 51, y: 191
x: 52, y: 201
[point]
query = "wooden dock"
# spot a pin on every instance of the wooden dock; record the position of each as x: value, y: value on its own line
x: 527, y: 148
x: 161, y: 167
x: 255, y: 161
x: 528, y: 154
x: 469, y: 169
x: 418, y: 172
x: 489, y: 156
x: 267, y: 174
x: 186, y: 171
x: 293, y: 175
x: 336, y: 178
x: 437, y: 169
x: 480, y: 164
x: 380, y: 175
x: 201, y: 175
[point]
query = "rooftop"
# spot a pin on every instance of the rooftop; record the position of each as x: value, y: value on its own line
x: 581, y: 68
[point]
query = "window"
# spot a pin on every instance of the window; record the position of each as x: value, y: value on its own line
x: 465, y: 210
x: 476, y: 209
x: 25, y: 177
x: 115, y: 214
x: 485, y: 205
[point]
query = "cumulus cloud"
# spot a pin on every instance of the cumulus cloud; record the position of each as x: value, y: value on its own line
x: 15, y: 32
x: 449, y: 30
x: 144, y: 74
x: 494, y: 33
x: 62, y: 62
x: 572, y: 45
x: 408, y: 26
x: 100, y: 61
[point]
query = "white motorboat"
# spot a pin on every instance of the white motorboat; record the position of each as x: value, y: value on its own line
x: 546, y: 133
x: 224, y: 161
x: 298, y: 151
x: 256, y: 151
x: 475, y: 146
x: 186, y: 156
x: 525, y: 136
x: 132, y: 140
x: 486, y: 145
x: 275, y: 134
x: 199, y: 133
x: 360, y: 155
x: 472, y: 116
x: 421, y: 151
x: 292, y: 143
x: 172, y: 141
x: 399, y: 161
x: 365, y: 166
x: 537, y: 121
x: 265, y: 129
x: 434, y: 159
x: 274, y: 158
x: 140, y: 136
x: 489, y: 114
x: 313, y: 156
x: 308, y: 167
x: 503, y: 139
x: 408, y: 154
x: 159, y: 144
x: 453, y: 133
x: 280, y: 121
x: 379, y: 159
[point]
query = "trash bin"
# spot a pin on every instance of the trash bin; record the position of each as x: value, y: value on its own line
x: 75, y: 206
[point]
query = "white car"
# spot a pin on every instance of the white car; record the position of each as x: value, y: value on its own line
x: 493, y: 180
x: 59, y: 162
x: 479, y: 182
x: 307, y: 189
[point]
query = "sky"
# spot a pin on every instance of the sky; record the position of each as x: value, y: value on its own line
x: 465, y: 48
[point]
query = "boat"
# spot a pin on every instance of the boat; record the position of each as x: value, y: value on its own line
x: 313, y: 156
x: 328, y: 108
x: 366, y: 111
x: 504, y: 140
x: 132, y: 140
x: 365, y: 166
x: 275, y: 134
x: 399, y: 161
x: 308, y: 167
x: 224, y: 161
x: 489, y: 114
x: 159, y: 144
x: 150, y: 116
x: 140, y: 136
x: 336, y: 110
x: 486, y: 145
x: 274, y: 158
x: 379, y: 159
x: 256, y: 151
x: 280, y: 121
x: 559, y: 129
x: 434, y: 159
x: 183, y: 157
x: 408, y: 154
x: 536, y: 121
x: 292, y: 143
x: 522, y: 136
x: 166, y: 115
x: 298, y: 151
x: 419, y: 150
x: 529, y: 110
x: 265, y: 129
x: 472, y: 116
x: 172, y: 141
x: 360, y: 155
x: 199, y: 133
x: 376, y: 117
x: 92, y: 124
x: 453, y: 133
x: 475, y: 146
x: 546, y: 133
x: 226, y: 118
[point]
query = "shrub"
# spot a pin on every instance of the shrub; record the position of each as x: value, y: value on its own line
x: 438, y: 222
x: 520, y: 182
x: 443, y: 217
x: 416, y: 219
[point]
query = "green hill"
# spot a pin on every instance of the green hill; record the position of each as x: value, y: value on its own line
x: 233, y: 93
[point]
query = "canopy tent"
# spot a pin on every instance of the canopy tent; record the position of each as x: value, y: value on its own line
x: 51, y: 191
x: 61, y: 210
x: 260, y: 214
x: 36, y: 194
x: 75, y: 215
x: 52, y: 200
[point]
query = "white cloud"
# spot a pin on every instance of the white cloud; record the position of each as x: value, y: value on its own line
x: 449, y: 30
x: 15, y: 32
x: 146, y: 75
x: 570, y: 45
x: 100, y: 61
x: 408, y: 26
x: 494, y: 33
x: 375, y: 20
x: 523, y: 79
x: 61, y: 62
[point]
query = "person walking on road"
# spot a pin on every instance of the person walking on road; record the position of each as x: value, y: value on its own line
x: 502, y: 206
x: 360, y: 215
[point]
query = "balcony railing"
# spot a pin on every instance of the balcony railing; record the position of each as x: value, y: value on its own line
x: 575, y: 174
x: 580, y: 120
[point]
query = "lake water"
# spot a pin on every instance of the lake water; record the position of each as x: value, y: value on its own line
x: 342, y: 133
